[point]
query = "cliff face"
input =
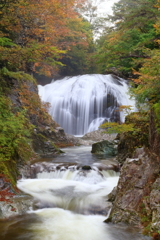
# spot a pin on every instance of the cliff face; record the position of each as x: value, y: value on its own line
x: 28, y: 131
x: 138, y: 196
x: 154, y: 136
x: 138, y: 193
x: 46, y: 132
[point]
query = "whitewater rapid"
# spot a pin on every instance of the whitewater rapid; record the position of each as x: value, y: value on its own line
x: 70, y: 203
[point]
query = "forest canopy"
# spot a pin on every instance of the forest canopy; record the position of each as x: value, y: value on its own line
x: 123, y: 45
x: 34, y: 35
x: 58, y: 37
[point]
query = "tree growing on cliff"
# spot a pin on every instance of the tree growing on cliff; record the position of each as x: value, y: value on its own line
x: 147, y: 90
x: 34, y: 35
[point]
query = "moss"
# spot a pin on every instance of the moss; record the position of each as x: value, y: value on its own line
x: 42, y: 137
x: 14, y: 138
x: 43, y: 146
x: 146, y: 217
x: 25, y: 151
x: 108, y: 220
x: 147, y: 230
x: 56, y: 148
x: 20, y: 76
x: 130, y: 141
x: 9, y: 171
x: 17, y: 122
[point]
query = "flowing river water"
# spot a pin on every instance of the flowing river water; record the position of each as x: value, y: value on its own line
x: 70, y: 201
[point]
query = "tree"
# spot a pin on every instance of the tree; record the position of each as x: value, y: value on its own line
x: 78, y: 58
x: 126, y: 40
x: 90, y: 11
x: 147, y: 90
x: 39, y: 31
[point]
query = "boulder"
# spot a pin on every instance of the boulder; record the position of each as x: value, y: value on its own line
x: 89, y: 138
x: 77, y: 141
x: 107, y: 165
x: 44, y: 146
x: 99, y: 135
x: 105, y: 147
x: 14, y: 206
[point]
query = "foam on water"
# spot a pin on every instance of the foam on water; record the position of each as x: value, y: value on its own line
x: 72, y: 195
x: 59, y: 224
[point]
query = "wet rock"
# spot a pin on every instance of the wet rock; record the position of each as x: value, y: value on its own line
x: 105, y: 147
x: 31, y: 171
x: 155, y: 205
x: 77, y: 141
x: 126, y: 147
x: 107, y: 166
x: 99, y: 135
x: 100, y: 210
x: 154, y: 136
x: 90, y: 138
x: 86, y: 168
x: 137, y: 184
x: 44, y: 146
x: 112, y: 195
x: 47, y: 133
x: 15, y: 206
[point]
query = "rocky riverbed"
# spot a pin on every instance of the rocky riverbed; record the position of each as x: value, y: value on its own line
x: 13, y: 203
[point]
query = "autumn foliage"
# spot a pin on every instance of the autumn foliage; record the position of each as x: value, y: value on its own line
x: 35, y: 34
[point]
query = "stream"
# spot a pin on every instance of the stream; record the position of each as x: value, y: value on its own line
x: 70, y: 201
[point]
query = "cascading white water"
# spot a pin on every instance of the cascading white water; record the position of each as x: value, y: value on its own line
x: 78, y: 196
x: 59, y: 224
x: 72, y: 202
x: 63, y: 201
x: 81, y: 103
x: 70, y: 186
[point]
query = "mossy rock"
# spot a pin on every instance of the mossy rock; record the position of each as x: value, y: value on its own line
x: 43, y: 146
x: 86, y: 167
x: 105, y: 147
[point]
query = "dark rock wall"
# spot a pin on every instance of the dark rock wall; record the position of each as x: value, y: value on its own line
x: 137, y: 200
x: 133, y: 200
x: 154, y: 136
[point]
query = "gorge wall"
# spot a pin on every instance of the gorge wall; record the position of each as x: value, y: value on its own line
x: 28, y: 131
x: 137, y: 200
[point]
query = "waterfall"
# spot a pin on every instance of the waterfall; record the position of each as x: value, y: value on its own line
x: 80, y: 104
